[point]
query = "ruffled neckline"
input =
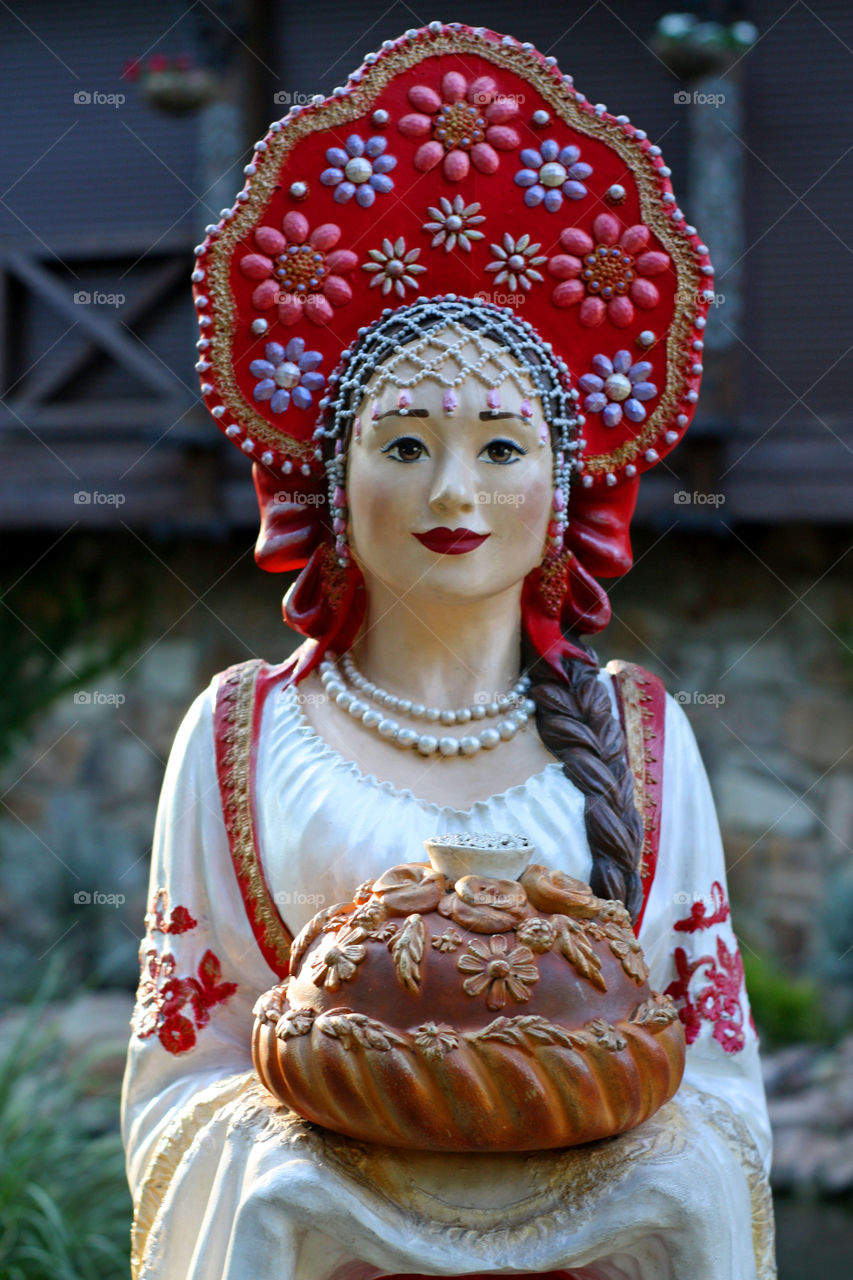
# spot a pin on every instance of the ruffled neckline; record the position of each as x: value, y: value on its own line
x: 322, y: 750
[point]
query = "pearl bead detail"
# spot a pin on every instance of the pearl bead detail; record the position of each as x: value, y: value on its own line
x: 459, y: 715
x: 427, y: 744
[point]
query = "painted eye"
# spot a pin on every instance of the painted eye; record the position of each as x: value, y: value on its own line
x: 406, y: 449
x: 503, y: 452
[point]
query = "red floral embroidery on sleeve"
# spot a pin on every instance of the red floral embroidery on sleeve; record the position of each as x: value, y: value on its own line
x: 698, y: 920
x: 163, y: 999
x: 718, y: 1002
x: 160, y: 920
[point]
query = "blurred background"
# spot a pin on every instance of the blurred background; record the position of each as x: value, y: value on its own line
x: 127, y: 525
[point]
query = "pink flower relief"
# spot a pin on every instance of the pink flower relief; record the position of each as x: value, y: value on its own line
x: 299, y: 271
x: 607, y: 273
x: 465, y: 124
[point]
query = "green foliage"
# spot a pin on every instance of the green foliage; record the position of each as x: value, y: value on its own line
x: 786, y: 1010
x: 65, y: 620
x: 65, y: 1209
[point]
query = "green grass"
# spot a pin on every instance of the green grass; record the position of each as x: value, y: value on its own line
x: 65, y: 1208
x: 786, y: 1010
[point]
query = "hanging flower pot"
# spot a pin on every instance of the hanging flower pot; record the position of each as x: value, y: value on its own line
x: 692, y: 47
x: 174, y: 85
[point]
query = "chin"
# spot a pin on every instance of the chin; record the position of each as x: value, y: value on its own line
x: 457, y: 583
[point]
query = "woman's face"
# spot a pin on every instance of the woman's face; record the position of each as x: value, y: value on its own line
x: 453, y: 508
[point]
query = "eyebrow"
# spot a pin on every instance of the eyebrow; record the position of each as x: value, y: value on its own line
x: 488, y: 415
x: 485, y: 416
x: 397, y: 413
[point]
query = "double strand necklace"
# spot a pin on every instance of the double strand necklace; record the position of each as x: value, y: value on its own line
x: 519, y: 708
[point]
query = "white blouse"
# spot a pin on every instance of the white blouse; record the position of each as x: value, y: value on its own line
x: 352, y: 826
x: 222, y: 1185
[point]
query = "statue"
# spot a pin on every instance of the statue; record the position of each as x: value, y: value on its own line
x: 452, y: 317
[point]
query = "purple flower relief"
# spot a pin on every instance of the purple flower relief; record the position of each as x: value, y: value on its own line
x: 359, y: 169
x: 617, y: 388
x: 551, y: 173
x: 288, y: 373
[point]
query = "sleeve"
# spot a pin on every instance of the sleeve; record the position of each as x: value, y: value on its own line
x: 690, y: 944
x: 200, y: 974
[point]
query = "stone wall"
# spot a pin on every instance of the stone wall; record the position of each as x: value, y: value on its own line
x: 753, y: 633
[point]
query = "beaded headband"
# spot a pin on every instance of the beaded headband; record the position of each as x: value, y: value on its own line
x: 455, y: 162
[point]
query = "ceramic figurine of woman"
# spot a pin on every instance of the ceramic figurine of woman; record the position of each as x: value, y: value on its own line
x: 453, y: 317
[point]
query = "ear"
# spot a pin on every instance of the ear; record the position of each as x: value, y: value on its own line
x: 293, y: 511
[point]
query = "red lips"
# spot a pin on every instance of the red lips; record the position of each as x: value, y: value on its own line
x: 451, y: 542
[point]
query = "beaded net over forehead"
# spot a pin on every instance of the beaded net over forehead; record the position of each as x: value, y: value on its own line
x: 384, y: 347
x: 442, y: 356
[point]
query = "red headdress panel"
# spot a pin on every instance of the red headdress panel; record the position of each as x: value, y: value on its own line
x: 454, y: 161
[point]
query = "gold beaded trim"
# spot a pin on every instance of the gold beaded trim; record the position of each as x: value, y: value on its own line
x: 357, y: 101
x: 552, y: 581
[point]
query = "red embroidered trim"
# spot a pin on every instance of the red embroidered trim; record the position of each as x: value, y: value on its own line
x: 698, y: 920
x: 161, y: 998
x: 236, y: 726
x: 718, y: 1003
x: 641, y: 698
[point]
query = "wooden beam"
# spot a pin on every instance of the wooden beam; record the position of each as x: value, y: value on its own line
x: 84, y: 418
x: 103, y: 331
x: 71, y: 363
x: 111, y: 242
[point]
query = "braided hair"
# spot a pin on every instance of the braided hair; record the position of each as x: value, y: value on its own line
x: 576, y: 724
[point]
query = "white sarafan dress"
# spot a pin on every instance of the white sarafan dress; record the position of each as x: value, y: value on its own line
x: 228, y: 1184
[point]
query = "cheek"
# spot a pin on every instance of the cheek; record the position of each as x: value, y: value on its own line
x: 377, y: 505
x: 527, y: 514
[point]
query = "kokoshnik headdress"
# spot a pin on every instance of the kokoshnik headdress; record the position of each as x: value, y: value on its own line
x: 458, y: 177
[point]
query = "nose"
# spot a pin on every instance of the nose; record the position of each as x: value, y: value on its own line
x: 453, y: 484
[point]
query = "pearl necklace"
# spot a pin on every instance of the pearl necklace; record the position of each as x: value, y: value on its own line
x: 461, y: 715
x: 426, y: 744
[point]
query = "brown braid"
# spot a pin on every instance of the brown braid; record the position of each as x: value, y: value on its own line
x: 576, y: 724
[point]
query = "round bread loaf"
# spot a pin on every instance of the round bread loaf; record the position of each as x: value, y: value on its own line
x: 476, y: 1014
